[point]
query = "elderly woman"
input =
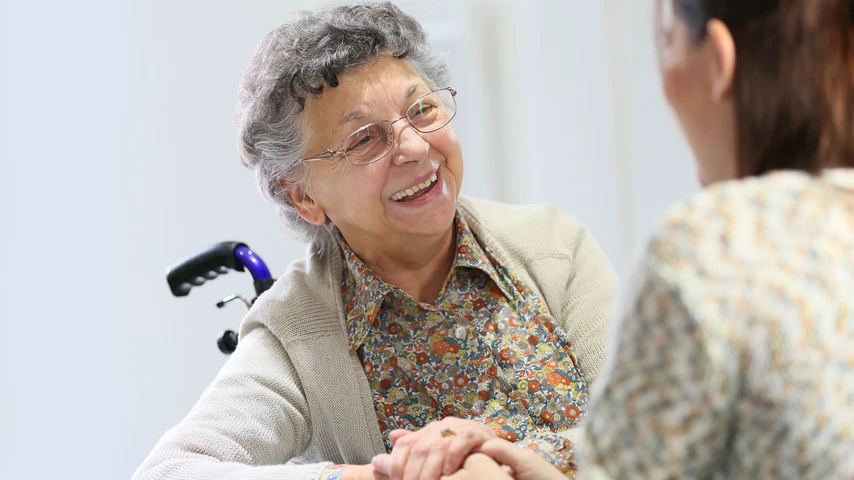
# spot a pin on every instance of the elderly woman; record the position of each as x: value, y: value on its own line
x: 735, y: 358
x: 415, y: 309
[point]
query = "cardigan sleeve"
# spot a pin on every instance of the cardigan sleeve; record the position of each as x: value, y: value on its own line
x: 588, y: 300
x: 248, y: 423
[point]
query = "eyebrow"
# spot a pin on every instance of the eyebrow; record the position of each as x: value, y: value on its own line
x: 411, y: 91
x: 357, y: 115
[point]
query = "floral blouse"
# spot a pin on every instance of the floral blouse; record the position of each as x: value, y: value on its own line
x: 735, y: 358
x: 487, y: 350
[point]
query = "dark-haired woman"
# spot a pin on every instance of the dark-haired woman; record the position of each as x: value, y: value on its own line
x: 735, y: 357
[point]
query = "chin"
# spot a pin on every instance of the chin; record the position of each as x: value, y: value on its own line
x: 704, y: 182
x: 434, y: 222
x: 708, y: 178
x: 438, y: 222
x: 707, y: 175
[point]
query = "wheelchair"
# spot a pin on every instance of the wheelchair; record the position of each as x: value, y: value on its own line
x: 213, y: 261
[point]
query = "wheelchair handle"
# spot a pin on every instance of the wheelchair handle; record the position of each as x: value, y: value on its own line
x: 216, y: 260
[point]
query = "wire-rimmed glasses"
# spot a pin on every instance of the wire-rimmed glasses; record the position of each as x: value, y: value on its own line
x: 373, y: 141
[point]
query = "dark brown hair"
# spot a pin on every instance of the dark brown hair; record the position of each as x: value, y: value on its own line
x: 794, y: 79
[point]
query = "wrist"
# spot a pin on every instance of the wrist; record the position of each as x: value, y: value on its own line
x: 333, y: 472
x: 354, y: 472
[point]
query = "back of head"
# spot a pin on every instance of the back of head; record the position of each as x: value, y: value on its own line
x: 794, y: 79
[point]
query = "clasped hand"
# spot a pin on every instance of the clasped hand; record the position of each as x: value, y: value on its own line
x: 438, y: 449
x: 456, y: 449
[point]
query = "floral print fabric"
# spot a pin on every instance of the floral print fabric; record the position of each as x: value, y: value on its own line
x: 735, y: 358
x: 487, y: 350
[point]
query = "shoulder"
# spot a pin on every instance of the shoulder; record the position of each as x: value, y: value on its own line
x: 730, y: 220
x: 750, y: 197
x: 535, y: 229
x: 743, y: 235
x: 552, y: 253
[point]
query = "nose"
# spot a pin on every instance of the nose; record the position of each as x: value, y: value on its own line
x: 410, y: 145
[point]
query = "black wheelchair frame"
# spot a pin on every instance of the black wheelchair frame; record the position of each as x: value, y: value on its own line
x: 213, y: 261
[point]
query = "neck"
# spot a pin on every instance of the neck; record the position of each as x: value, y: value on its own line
x: 416, y: 265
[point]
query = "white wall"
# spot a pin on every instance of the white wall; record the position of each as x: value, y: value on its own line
x: 118, y: 158
x: 661, y: 165
x: 583, y: 122
x: 63, y: 155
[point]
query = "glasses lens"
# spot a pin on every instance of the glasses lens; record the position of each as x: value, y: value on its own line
x: 433, y: 111
x: 368, y: 143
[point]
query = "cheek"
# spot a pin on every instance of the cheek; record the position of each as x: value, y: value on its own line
x: 685, y: 96
x: 448, y: 145
x: 670, y: 85
x: 363, y: 187
x: 331, y: 184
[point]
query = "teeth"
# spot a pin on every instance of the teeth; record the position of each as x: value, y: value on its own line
x: 414, y: 189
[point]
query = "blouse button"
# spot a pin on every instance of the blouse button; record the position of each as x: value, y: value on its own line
x: 460, y: 332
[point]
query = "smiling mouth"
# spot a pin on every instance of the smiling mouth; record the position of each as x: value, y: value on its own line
x: 416, y: 191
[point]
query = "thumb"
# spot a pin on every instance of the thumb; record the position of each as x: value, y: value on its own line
x: 506, y: 453
x: 478, y: 462
x: 382, y: 464
x: 478, y: 467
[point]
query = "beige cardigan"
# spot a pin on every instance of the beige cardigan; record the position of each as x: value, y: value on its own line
x: 291, y: 399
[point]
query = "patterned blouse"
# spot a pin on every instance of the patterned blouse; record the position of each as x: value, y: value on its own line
x: 736, y: 356
x: 487, y: 350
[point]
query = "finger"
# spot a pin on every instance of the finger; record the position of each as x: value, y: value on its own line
x: 461, y: 475
x: 479, y: 467
x: 396, y: 435
x: 507, y: 453
x: 400, y: 455
x: 432, y: 468
x: 484, y: 466
x: 460, y: 423
x: 420, y: 452
x: 463, y: 443
x: 382, y: 464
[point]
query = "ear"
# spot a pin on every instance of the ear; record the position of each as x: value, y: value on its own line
x: 305, y: 204
x: 723, y: 47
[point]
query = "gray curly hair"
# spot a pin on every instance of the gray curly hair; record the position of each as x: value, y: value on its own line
x: 300, y: 59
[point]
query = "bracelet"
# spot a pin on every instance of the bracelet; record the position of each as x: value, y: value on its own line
x: 332, y: 472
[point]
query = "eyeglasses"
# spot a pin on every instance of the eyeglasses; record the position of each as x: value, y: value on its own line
x: 373, y: 141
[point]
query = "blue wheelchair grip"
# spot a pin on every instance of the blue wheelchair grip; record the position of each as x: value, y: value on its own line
x: 216, y: 260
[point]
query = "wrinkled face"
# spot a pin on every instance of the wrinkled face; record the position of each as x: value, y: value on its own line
x: 364, y: 201
x: 697, y: 80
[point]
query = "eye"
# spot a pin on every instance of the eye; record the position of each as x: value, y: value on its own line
x: 422, y: 109
x: 363, y: 138
x: 363, y: 141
